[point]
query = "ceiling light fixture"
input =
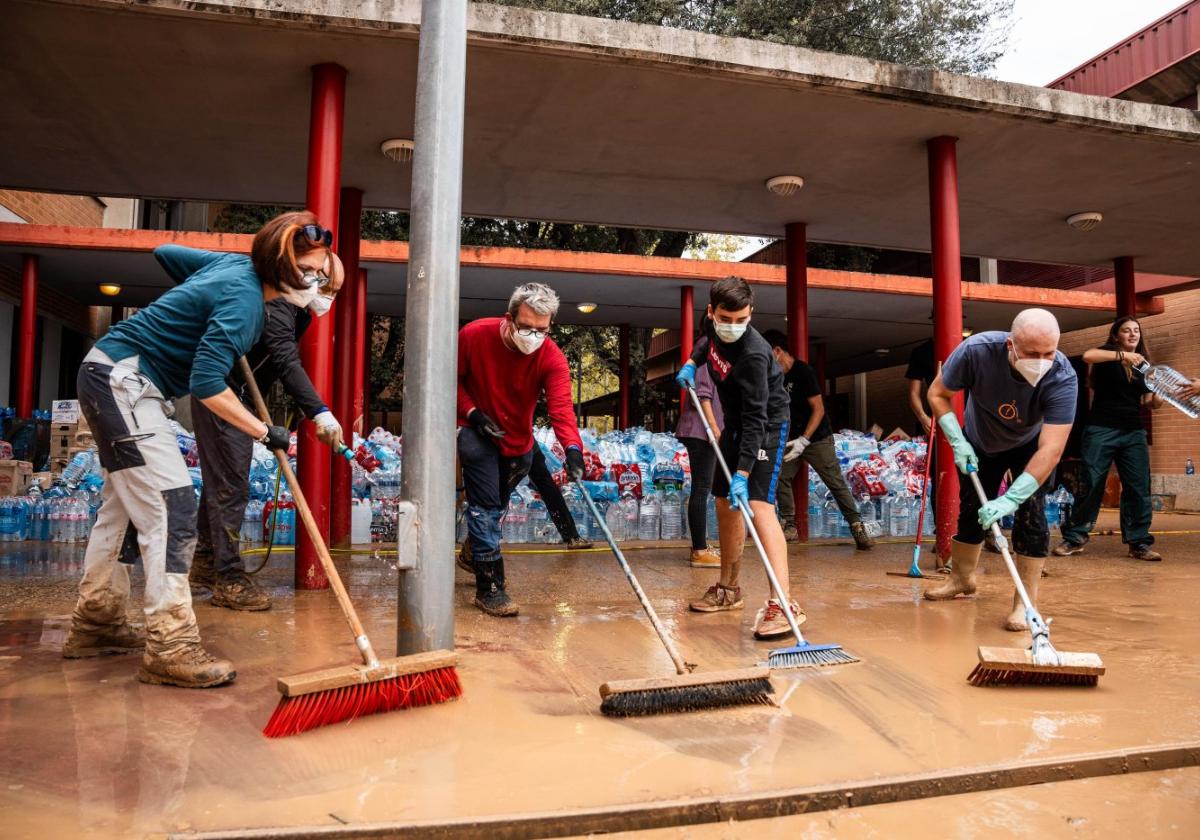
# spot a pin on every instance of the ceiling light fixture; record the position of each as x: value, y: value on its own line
x: 968, y: 333
x: 882, y: 351
x: 1085, y: 221
x: 785, y: 184
x: 401, y: 151
x: 587, y: 307
x: 110, y: 289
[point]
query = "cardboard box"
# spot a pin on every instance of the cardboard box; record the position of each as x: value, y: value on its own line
x: 83, y: 432
x: 44, y: 480
x: 64, y: 411
x: 14, y: 477
x: 62, y: 439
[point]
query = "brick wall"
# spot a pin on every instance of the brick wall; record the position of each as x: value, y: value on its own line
x: 54, y: 208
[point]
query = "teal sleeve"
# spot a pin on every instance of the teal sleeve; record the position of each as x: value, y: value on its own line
x: 232, y: 331
x: 1024, y: 487
x: 181, y: 263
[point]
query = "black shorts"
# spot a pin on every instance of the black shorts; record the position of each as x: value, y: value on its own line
x: 764, y: 477
x: 1030, y: 533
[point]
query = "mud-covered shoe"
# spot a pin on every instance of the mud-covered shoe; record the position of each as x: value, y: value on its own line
x: 103, y: 641
x: 489, y: 590
x: 192, y: 667
x: 240, y: 592
x: 1066, y: 548
x: 718, y: 598
x: 790, y: 533
x: 705, y: 559
x: 1144, y: 552
x: 578, y: 544
x: 771, y: 623
x: 862, y: 540
x: 203, y: 575
x: 463, y: 558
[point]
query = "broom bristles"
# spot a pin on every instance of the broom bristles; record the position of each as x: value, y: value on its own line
x: 299, y: 714
x: 687, y: 698
x: 987, y: 675
x: 810, y: 656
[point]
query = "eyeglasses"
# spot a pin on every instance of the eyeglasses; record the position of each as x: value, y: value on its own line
x: 316, y: 234
x: 530, y: 332
x: 317, y: 278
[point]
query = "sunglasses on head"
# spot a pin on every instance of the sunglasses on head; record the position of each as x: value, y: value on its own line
x: 316, y: 234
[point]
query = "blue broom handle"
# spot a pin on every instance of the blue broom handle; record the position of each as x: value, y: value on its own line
x: 681, y: 667
x: 784, y: 601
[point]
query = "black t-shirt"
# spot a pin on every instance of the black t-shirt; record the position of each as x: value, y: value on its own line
x: 921, y: 365
x: 801, y: 383
x: 1116, y: 397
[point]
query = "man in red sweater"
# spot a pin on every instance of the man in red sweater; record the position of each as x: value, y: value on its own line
x: 504, y: 366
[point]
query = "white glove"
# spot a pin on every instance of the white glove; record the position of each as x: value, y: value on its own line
x: 795, y: 448
x: 329, y: 431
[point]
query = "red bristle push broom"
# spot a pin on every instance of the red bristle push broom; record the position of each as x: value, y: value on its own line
x: 339, y: 694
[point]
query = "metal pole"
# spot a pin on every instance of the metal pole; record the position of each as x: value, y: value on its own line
x: 796, y: 251
x: 349, y: 227
x: 687, y: 329
x: 947, y: 312
x: 316, y: 347
x: 623, y: 392
x: 27, y: 335
x: 426, y: 604
x: 1126, y: 287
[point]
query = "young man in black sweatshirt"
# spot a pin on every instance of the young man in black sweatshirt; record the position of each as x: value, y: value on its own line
x: 750, y: 384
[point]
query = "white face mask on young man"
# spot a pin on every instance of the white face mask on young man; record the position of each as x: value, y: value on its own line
x: 730, y: 333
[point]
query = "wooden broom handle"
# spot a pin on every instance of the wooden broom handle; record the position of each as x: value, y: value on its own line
x: 310, y: 525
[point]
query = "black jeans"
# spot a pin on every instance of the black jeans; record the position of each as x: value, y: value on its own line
x: 1031, y: 535
x: 489, y: 478
x: 225, y: 455
x: 556, y: 505
x: 704, y: 462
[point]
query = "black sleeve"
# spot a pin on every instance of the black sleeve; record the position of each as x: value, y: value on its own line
x: 279, y: 336
x: 750, y: 373
x: 699, y: 351
x: 804, y: 382
x: 920, y: 363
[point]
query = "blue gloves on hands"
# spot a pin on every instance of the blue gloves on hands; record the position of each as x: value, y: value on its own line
x: 686, y: 378
x: 739, y: 494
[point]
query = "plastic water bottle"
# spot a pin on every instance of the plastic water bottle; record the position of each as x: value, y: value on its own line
x: 252, y: 522
x: 10, y: 519
x: 580, y: 513
x: 512, y: 529
x: 79, y: 466
x: 901, y: 522
x: 650, y: 518
x: 1189, y: 468
x: 671, y: 515
x: 866, y: 509
x: 614, y: 518
x: 538, y: 517
x: 1052, y: 510
x: 930, y: 519
x: 631, y: 513
x: 816, y: 518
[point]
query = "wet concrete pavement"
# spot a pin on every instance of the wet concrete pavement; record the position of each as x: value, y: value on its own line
x: 86, y: 748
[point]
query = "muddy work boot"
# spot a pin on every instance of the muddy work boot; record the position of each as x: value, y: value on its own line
x: 790, y: 533
x: 191, y: 667
x: 771, y: 623
x: 1030, y: 570
x: 578, y: 543
x: 239, y: 591
x: 203, y: 575
x: 489, y: 589
x: 862, y: 540
x: 964, y: 559
x: 463, y: 558
x: 87, y: 640
x: 718, y: 598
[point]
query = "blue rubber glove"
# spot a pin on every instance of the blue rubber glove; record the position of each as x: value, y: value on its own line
x: 1020, y: 490
x: 964, y: 453
x: 739, y: 494
x: 686, y: 378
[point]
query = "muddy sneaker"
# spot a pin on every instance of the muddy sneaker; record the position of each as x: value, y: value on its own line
x: 1066, y: 548
x: 193, y: 667
x: 862, y: 540
x: 705, y: 559
x: 489, y: 590
x: 103, y: 641
x: 790, y: 533
x: 1143, y: 552
x: 771, y: 623
x: 719, y: 597
x: 578, y: 543
x: 463, y: 558
x: 240, y: 592
x: 203, y: 575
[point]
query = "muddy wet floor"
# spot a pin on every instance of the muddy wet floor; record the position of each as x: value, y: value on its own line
x: 86, y: 748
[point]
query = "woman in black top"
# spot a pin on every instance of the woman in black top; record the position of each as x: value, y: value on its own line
x: 1115, y: 433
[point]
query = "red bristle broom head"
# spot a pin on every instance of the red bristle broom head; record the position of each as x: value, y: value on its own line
x: 300, y: 712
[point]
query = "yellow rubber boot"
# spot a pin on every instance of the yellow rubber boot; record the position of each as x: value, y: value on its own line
x: 1030, y: 570
x: 965, y: 558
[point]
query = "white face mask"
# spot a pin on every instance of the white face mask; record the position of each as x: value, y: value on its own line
x: 729, y: 333
x: 320, y: 305
x: 526, y: 343
x: 1033, y: 369
x: 300, y: 298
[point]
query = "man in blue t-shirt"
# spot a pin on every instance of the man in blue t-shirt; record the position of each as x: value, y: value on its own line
x: 1021, y: 394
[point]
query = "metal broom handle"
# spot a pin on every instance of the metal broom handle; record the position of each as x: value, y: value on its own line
x: 681, y: 667
x: 1002, y: 543
x: 784, y: 601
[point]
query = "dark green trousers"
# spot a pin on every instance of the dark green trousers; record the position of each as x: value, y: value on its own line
x: 1101, y: 447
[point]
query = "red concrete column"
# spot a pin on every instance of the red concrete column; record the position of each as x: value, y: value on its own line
x: 27, y: 336
x: 623, y: 372
x: 947, y: 312
x: 316, y: 348
x: 796, y: 258
x: 346, y: 339
x: 1126, y: 288
x: 687, y: 332
x: 362, y: 342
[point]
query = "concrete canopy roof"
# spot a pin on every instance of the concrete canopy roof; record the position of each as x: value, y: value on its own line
x: 853, y: 314
x: 587, y: 120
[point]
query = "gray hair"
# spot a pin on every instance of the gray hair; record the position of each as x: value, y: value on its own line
x: 537, y: 296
